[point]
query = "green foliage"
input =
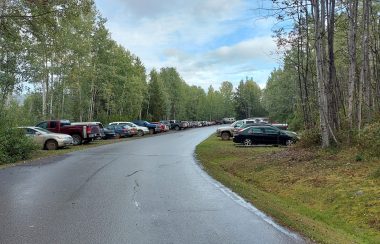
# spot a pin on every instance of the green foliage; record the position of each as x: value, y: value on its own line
x: 369, y: 140
x: 14, y: 146
x: 248, y: 100
x: 311, y: 137
x: 359, y: 158
x: 280, y: 95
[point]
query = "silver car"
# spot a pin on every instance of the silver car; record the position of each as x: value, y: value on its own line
x: 46, y: 139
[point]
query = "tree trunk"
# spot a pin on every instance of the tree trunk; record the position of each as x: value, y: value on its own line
x: 332, y: 84
x: 365, y: 80
x: 352, y: 80
x: 319, y: 31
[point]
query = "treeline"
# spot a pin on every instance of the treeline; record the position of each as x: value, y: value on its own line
x: 60, y: 56
x: 331, y: 74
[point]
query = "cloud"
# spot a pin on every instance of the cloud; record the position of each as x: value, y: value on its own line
x: 208, y: 41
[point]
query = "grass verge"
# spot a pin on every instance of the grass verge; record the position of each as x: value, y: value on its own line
x: 327, y: 196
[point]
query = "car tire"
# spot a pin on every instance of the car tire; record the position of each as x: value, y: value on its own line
x: 77, y: 139
x: 151, y: 131
x: 288, y: 142
x: 225, y: 136
x: 140, y: 133
x: 51, y: 145
x: 247, y: 142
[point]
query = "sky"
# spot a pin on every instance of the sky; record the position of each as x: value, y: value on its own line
x: 207, y: 41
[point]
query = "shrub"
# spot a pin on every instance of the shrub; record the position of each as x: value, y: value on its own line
x: 369, y: 140
x: 311, y: 137
x: 14, y: 146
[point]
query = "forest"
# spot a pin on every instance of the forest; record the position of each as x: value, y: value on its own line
x: 59, y: 61
x: 331, y: 53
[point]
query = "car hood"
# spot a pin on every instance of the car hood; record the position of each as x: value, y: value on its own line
x: 290, y: 133
x: 225, y: 128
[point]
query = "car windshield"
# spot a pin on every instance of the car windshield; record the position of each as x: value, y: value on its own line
x: 237, y: 123
x: 131, y: 124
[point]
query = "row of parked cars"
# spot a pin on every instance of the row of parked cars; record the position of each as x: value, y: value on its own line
x: 255, y: 131
x: 54, y: 134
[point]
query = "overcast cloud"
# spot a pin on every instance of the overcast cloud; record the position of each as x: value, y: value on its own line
x: 208, y: 41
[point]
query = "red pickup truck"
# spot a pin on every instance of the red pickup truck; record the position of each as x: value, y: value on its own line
x: 81, y: 133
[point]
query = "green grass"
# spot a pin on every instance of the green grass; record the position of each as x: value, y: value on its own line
x: 327, y: 196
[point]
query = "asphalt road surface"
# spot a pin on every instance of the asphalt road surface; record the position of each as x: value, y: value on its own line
x: 149, y: 190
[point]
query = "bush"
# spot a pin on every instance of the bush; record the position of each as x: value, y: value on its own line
x: 15, y: 146
x: 369, y: 140
x: 311, y: 137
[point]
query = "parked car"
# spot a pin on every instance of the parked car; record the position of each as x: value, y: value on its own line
x: 166, y: 122
x: 226, y: 132
x: 178, y: 125
x: 153, y: 129
x: 120, y: 130
x: 267, y: 135
x: 109, y: 133
x: 46, y: 139
x: 80, y: 133
x: 162, y: 126
x: 140, y: 130
x: 100, y: 133
x: 228, y: 120
x: 185, y: 124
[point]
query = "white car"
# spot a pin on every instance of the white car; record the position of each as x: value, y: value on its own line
x: 48, y: 140
x: 141, y: 130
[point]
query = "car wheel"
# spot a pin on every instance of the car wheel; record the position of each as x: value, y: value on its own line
x: 77, y: 139
x: 288, y: 142
x: 247, y: 142
x: 140, y: 133
x: 51, y: 145
x: 225, y: 136
x: 177, y: 128
x: 151, y: 131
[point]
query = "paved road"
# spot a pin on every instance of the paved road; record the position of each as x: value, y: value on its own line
x: 149, y: 190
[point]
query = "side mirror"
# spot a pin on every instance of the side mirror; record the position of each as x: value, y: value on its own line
x: 38, y: 134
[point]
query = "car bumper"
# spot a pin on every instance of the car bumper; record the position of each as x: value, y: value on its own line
x: 64, y: 142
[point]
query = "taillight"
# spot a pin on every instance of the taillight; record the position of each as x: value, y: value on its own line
x: 88, y: 130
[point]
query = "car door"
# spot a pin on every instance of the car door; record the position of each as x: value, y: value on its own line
x: 37, y: 136
x: 271, y: 136
x: 256, y: 135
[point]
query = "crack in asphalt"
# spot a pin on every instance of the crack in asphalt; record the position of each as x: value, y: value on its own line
x: 134, y: 173
x: 76, y: 193
x: 135, y: 191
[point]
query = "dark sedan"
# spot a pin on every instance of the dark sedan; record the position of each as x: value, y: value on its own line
x: 120, y: 130
x: 267, y: 135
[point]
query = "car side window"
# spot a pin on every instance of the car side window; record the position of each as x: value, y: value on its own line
x: 43, y: 125
x: 53, y: 124
x: 271, y: 131
x: 256, y: 130
x: 30, y: 131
